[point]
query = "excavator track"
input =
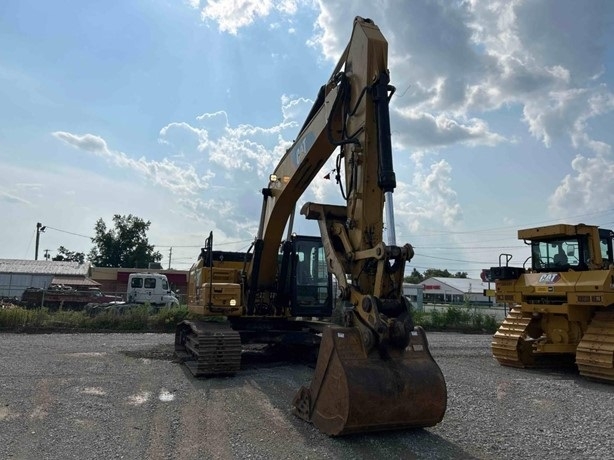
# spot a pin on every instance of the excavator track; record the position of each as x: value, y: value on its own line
x: 208, y: 348
x: 595, y: 353
x: 508, y: 345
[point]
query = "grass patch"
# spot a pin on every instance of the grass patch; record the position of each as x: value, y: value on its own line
x: 146, y: 319
x: 141, y: 318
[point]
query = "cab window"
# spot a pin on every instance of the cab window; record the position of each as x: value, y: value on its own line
x: 136, y: 283
x: 150, y: 283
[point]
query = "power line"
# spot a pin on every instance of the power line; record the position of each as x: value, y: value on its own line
x: 453, y: 260
x: 30, y: 243
x: 228, y: 243
x: 66, y: 231
x: 514, y: 227
x: 468, y: 247
x: 458, y: 247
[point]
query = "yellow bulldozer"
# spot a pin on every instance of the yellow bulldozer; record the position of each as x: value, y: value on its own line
x: 374, y: 370
x: 562, y: 304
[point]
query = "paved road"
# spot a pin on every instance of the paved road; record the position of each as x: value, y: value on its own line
x: 104, y: 396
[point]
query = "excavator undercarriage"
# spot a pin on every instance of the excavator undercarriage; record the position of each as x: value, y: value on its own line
x: 208, y: 348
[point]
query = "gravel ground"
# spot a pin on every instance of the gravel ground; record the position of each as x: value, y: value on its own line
x: 106, y: 396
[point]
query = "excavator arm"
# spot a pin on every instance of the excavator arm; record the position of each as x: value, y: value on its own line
x: 374, y: 371
x: 350, y: 113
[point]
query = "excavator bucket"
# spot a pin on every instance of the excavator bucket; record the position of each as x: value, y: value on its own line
x: 353, y: 391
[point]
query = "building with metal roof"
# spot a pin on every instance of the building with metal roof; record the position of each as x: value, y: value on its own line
x: 17, y: 275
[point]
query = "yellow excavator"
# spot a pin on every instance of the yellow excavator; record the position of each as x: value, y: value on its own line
x: 562, y: 305
x: 374, y: 370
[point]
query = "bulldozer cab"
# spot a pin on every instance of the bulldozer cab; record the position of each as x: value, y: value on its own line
x: 605, y: 242
x: 574, y: 252
x: 560, y: 254
x: 304, y: 277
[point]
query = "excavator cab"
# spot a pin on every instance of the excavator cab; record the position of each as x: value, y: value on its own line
x: 305, y: 283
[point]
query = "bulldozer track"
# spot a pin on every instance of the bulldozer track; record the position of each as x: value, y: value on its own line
x: 208, y: 348
x: 508, y: 345
x: 595, y: 353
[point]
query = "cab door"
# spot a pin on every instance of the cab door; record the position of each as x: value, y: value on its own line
x: 311, y: 283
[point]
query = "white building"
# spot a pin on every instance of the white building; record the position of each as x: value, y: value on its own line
x: 454, y: 290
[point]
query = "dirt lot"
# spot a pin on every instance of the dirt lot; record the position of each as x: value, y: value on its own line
x: 91, y: 396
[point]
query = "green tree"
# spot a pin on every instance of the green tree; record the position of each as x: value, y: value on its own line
x: 126, y: 245
x: 414, y: 278
x: 437, y: 273
x: 64, y: 255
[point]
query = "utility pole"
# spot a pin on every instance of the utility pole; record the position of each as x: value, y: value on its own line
x: 170, y: 255
x: 40, y: 228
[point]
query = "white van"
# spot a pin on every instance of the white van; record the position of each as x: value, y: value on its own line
x: 152, y: 288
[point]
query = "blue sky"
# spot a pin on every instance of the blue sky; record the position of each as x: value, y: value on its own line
x: 177, y: 112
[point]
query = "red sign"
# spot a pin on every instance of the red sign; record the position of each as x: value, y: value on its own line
x: 431, y: 286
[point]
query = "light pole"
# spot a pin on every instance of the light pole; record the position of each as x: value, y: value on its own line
x: 39, y: 229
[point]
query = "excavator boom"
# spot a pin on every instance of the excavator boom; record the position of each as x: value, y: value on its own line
x: 374, y: 371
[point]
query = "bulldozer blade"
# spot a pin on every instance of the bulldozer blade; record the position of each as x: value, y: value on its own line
x: 353, y: 391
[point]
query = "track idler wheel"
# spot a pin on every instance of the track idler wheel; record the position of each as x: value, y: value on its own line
x: 353, y: 391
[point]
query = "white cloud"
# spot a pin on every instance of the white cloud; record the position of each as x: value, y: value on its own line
x: 12, y: 199
x: 223, y: 166
x: 429, y: 198
x: 588, y: 188
x: 455, y: 64
x: 295, y: 110
x: 231, y: 15
x: 456, y: 59
x: 425, y: 130
x: 178, y: 179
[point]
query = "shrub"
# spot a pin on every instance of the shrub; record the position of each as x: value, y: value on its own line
x: 463, y: 318
x: 167, y: 318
